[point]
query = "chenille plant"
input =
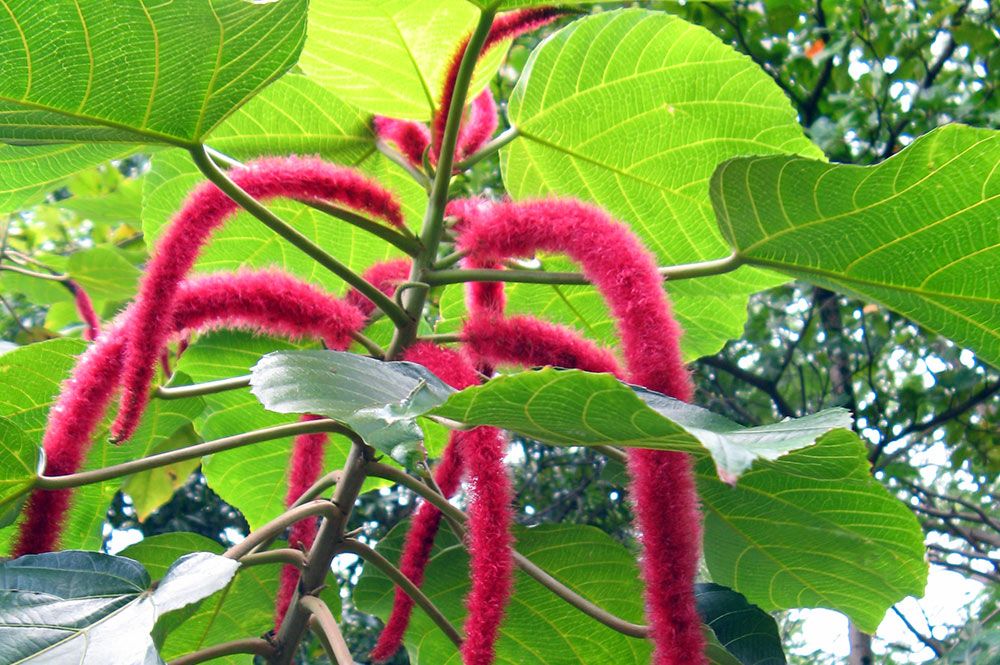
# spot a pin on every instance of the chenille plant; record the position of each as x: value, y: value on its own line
x: 324, y: 310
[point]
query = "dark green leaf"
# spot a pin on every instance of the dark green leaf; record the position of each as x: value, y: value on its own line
x: 744, y: 630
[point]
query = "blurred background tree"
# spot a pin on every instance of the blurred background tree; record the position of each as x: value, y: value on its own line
x: 866, y: 78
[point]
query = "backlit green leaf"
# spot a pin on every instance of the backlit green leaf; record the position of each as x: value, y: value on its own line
x: 917, y: 233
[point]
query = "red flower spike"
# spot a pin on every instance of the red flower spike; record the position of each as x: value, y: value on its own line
x: 85, y: 308
x: 451, y: 367
x: 385, y: 276
x: 268, y: 302
x: 410, y: 138
x: 205, y: 210
x: 506, y: 26
x: 304, y: 470
x: 479, y: 126
x: 530, y: 342
x: 625, y: 273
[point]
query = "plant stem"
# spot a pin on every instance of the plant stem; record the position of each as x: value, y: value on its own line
x: 681, y: 271
x: 251, y: 645
x: 287, y: 555
x: 407, y: 243
x: 526, y: 565
x: 36, y: 275
x: 399, y: 579
x: 501, y: 139
x: 221, y: 180
x: 433, y: 226
x: 370, y: 345
x: 441, y: 338
x: 206, y: 388
x: 450, y: 260
x: 326, y: 546
x: 190, y: 452
x: 404, y: 164
x: 326, y: 629
x: 278, y: 525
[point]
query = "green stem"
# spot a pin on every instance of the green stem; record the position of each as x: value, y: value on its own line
x: 278, y: 525
x: 501, y: 139
x: 286, y: 555
x: 433, y: 227
x: 373, y: 347
x: 407, y: 243
x: 36, y: 275
x: 441, y: 338
x: 450, y: 260
x: 217, y: 176
x: 249, y: 645
x: 190, y: 452
x: 198, y: 389
x: 404, y: 163
x: 678, y: 272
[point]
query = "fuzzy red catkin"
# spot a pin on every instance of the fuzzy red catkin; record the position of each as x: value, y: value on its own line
x: 411, y: 138
x: 204, y: 211
x: 663, y: 484
x: 385, y: 276
x: 85, y: 308
x: 304, y: 469
x: 452, y: 368
x: 506, y: 26
x: 257, y: 301
x: 478, y: 127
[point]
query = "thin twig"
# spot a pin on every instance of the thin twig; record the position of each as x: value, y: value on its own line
x: 371, y: 346
x: 326, y: 629
x: 278, y: 525
x: 285, y: 555
x: 501, y: 139
x: 402, y: 581
x: 36, y: 275
x: 251, y: 645
x: 198, y: 389
x: 398, y: 159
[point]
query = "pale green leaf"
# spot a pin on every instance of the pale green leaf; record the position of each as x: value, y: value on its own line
x: 104, y: 272
x: 917, y: 233
x: 574, y: 408
x: 390, y: 56
x: 18, y: 469
x: 92, y: 70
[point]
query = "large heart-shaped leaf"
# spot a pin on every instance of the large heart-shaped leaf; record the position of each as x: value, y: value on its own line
x: 538, y: 626
x: 390, y: 56
x: 91, y: 70
x: 813, y: 529
x: 917, y: 233
x: 573, y: 408
x: 683, y: 102
x: 92, y: 608
x: 378, y: 400
x: 18, y: 469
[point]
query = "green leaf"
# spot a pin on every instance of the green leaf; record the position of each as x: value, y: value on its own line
x: 916, y: 233
x: 744, y: 630
x: 251, y: 478
x: 92, y: 71
x: 682, y: 101
x: 87, y: 607
x: 322, y: 124
x: 18, y: 469
x: 538, y: 626
x: 30, y: 378
x: 29, y: 173
x: 105, y: 273
x: 813, y: 529
x: 151, y: 489
x: 574, y: 408
x: 390, y: 56
x: 378, y: 400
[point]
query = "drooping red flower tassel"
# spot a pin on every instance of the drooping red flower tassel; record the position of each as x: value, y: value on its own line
x: 505, y: 26
x: 481, y: 452
x: 478, y: 126
x: 267, y: 302
x: 385, y: 276
x: 304, y: 470
x: 85, y: 308
x: 663, y: 484
x: 205, y: 210
x: 411, y: 138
